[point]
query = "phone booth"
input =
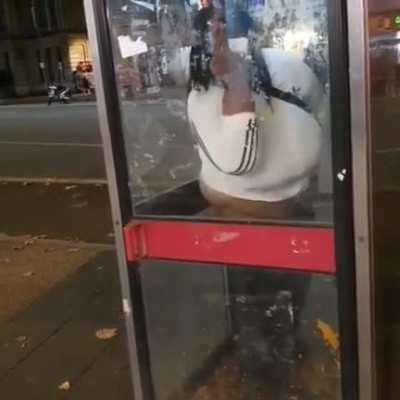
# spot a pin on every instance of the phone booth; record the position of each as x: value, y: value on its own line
x: 238, y: 183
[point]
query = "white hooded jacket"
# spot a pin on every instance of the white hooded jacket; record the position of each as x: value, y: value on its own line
x: 271, y: 154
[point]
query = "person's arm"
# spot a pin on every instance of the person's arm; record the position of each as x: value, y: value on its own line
x: 228, y: 133
x: 233, y: 72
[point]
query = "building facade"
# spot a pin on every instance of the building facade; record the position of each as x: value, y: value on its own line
x: 41, y: 42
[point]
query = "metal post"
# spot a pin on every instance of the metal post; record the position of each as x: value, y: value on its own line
x: 116, y: 167
x: 342, y: 147
x: 358, y: 57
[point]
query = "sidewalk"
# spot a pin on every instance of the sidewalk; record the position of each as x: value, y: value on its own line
x: 59, y: 287
x: 59, y: 211
x: 55, y: 341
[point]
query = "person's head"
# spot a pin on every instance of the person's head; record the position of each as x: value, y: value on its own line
x: 206, y: 3
x: 241, y: 5
x: 201, y: 75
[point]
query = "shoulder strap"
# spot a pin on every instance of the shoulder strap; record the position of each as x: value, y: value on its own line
x: 262, y: 83
x: 249, y: 154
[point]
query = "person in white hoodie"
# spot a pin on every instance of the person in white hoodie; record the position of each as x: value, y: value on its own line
x: 257, y: 117
x: 257, y: 122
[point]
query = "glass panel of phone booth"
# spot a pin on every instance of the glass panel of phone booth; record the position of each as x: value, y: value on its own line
x: 241, y: 333
x: 233, y: 95
x: 223, y: 331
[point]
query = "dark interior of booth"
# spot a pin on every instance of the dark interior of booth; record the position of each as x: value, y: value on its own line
x: 187, y: 203
x: 221, y: 331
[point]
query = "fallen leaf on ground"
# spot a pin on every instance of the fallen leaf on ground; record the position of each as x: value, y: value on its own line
x: 80, y: 205
x: 65, y: 386
x: 17, y: 248
x: 73, y: 250
x: 28, y: 274
x: 106, y: 333
x: 330, y: 337
x: 77, y: 195
x: 30, y: 241
x: 70, y: 187
x: 49, y: 250
x: 21, y: 339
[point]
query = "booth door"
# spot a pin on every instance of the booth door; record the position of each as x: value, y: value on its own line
x: 219, y: 120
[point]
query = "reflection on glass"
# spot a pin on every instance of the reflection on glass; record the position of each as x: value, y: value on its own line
x: 242, y: 334
x: 230, y: 110
x: 384, y: 53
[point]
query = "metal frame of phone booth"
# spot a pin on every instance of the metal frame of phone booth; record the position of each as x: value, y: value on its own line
x: 342, y: 250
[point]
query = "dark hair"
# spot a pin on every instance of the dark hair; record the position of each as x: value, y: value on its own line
x: 201, y: 75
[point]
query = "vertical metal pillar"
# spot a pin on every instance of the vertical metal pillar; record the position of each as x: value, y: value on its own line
x: 110, y: 120
x: 359, y: 94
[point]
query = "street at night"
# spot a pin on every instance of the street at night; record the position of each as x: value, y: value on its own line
x: 199, y: 200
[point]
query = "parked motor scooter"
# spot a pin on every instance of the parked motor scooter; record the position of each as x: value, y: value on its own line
x: 59, y: 93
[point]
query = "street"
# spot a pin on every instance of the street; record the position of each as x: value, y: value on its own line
x: 40, y: 142
x: 63, y: 142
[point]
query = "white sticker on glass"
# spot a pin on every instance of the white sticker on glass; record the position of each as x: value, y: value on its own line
x: 130, y: 47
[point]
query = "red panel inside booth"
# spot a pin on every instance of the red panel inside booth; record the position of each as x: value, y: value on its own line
x: 277, y: 247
